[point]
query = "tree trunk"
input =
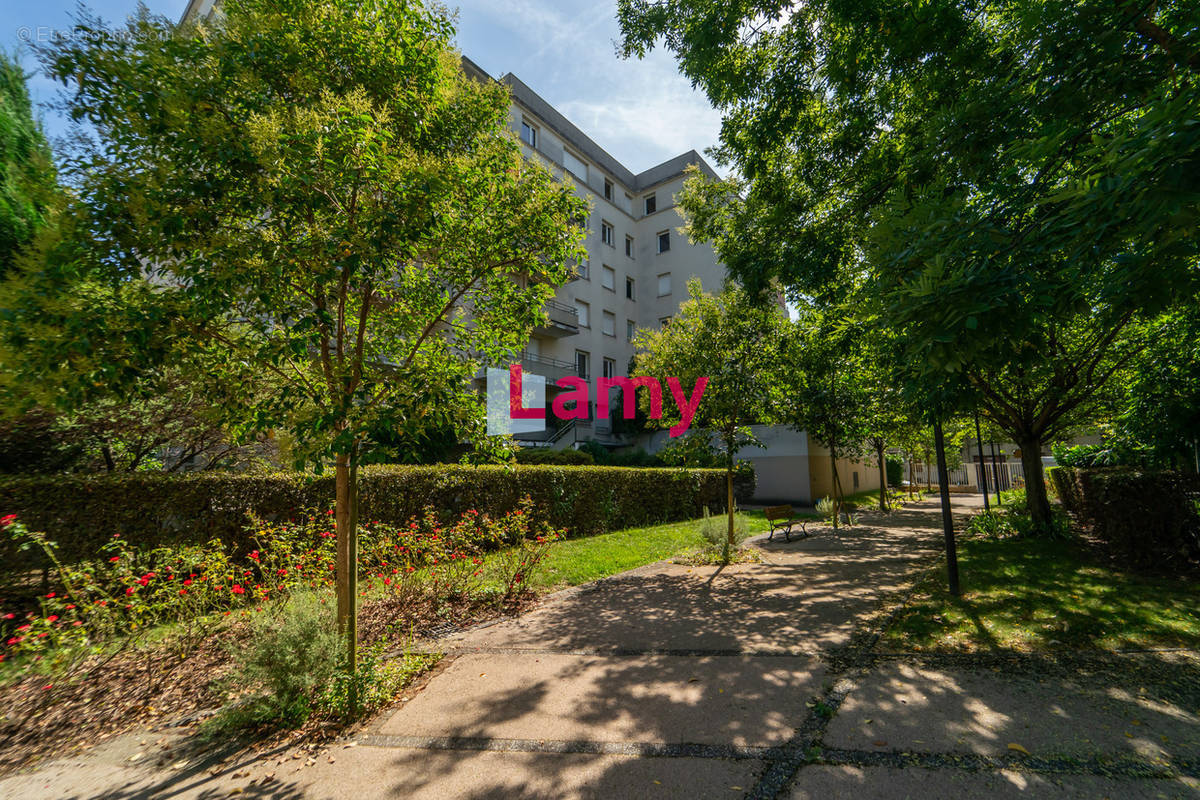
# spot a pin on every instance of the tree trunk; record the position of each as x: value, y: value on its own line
x: 982, y: 463
x: 883, y: 484
x: 996, y: 472
x: 928, y: 484
x: 106, y: 451
x: 833, y: 488
x: 1035, y: 483
x: 947, y: 513
x: 730, y: 436
x: 346, y: 514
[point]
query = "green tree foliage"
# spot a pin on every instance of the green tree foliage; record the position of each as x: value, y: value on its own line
x: 1013, y: 181
x: 732, y: 340
x: 311, y: 197
x: 825, y: 388
x: 28, y: 182
x: 1161, y: 407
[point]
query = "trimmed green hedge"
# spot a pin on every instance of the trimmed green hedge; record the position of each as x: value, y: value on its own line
x: 80, y: 512
x: 1148, y: 518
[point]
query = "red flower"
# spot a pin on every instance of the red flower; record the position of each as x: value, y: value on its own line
x: 14, y: 640
x: 183, y: 591
x: 187, y: 582
x: 254, y: 555
x: 143, y: 580
x: 128, y: 592
x: 52, y: 618
x: 23, y: 627
x: 10, y: 615
x: 7, y: 520
x: 237, y: 589
x: 114, y: 559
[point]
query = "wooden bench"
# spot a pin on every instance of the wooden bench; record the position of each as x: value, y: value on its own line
x: 783, y: 520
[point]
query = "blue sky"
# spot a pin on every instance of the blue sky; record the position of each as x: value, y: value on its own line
x: 642, y: 112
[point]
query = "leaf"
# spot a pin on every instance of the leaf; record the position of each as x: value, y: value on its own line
x: 1018, y: 748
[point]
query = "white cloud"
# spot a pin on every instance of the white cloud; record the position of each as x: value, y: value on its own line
x: 641, y: 111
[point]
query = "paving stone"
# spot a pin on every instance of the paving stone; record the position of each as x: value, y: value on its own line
x: 889, y: 783
x: 900, y: 706
x: 734, y: 700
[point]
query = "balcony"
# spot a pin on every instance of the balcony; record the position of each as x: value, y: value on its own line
x: 550, y: 368
x: 563, y: 321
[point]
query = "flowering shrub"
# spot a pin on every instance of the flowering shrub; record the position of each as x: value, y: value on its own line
x: 129, y: 589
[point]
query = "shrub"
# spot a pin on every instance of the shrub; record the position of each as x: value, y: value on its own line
x: 546, y: 455
x: 895, y: 470
x: 599, y: 453
x: 635, y: 458
x: 80, y: 513
x: 131, y: 590
x: 289, y: 657
x: 1148, y: 518
x: 715, y: 531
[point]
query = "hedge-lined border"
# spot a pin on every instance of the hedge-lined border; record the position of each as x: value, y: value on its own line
x: 1147, y: 517
x: 80, y: 513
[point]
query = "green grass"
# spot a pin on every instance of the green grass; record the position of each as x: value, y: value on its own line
x: 1033, y: 594
x: 575, y: 561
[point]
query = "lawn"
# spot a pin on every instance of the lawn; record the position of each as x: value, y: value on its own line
x: 1032, y: 594
x: 575, y: 561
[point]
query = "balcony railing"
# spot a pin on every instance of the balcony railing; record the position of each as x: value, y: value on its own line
x: 563, y: 320
x: 550, y: 368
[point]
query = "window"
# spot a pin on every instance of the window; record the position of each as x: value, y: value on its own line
x: 529, y: 134
x: 856, y: 479
x: 608, y: 278
x: 629, y: 289
x: 608, y: 190
x: 664, y: 321
x: 629, y: 246
x: 606, y: 233
x: 581, y: 364
x: 582, y: 308
x: 610, y: 368
x: 575, y: 165
x: 584, y: 270
x: 630, y: 329
x: 651, y: 204
x: 664, y: 241
x: 664, y: 284
x: 609, y: 324
x: 628, y: 205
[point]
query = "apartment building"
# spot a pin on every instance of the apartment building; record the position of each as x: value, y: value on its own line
x: 638, y: 265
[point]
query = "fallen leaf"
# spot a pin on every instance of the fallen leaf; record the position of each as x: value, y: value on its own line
x: 1017, y: 748
x: 880, y: 743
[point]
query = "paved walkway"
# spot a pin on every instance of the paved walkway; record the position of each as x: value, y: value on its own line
x: 756, y: 680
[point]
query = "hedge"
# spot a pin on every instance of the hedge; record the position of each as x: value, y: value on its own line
x: 79, y: 513
x: 1146, y: 517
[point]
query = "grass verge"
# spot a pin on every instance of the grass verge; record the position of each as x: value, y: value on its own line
x: 1034, y: 594
x: 575, y: 561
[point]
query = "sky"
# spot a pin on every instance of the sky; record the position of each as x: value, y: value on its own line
x: 641, y: 111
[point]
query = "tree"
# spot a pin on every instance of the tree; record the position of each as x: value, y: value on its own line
x: 1159, y: 409
x: 28, y: 183
x: 312, y: 194
x: 1013, y: 179
x: 823, y: 389
x: 731, y: 341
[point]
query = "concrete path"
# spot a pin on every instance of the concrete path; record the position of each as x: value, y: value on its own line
x: 755, y: 680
